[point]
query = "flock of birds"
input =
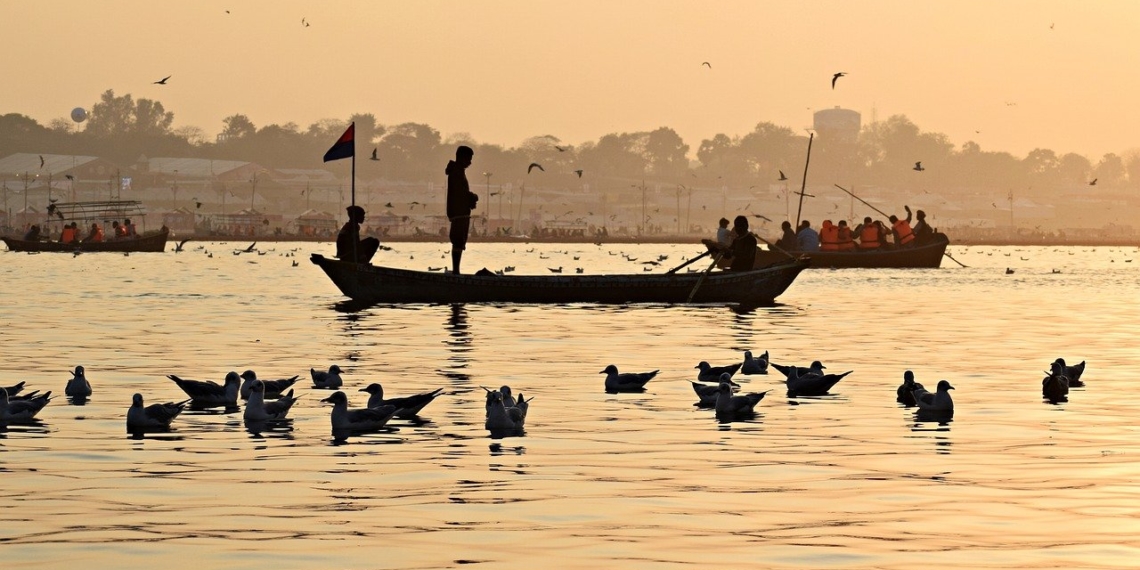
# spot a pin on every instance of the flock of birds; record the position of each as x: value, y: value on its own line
x: 505, y: 414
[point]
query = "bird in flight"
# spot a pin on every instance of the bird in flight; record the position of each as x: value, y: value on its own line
x: 1093, y: 183
x: 69, y: 177
x: 578, y: 172
x: 374, y: 157
x: 782, y: 177
x: 836, y: 77
x: 707, y: 63
x: 560, y: 149
x: 304, y: 23
x: 534, y: 165
x: 918, y: 166
x: 197, y: 204
x: 163, y: 80
x: 41, y: 161
x: 761, y: 217
x: 389, y: 205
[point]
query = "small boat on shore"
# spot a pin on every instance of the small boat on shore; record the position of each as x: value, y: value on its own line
x: 927, y: 256
x: 153, y: 241
x: 375, y: 284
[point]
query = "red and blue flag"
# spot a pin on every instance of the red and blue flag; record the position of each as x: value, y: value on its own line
x: 345, y: 147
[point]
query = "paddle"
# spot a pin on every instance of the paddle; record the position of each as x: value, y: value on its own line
x: 687, y: 263
x: 954, y: 260
x: 702, y: 279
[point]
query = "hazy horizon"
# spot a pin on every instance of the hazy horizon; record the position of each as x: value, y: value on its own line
x: 1012, y: 76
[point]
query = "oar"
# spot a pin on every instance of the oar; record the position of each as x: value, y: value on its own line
x: 863, y: 201
x: 702, y: 279
x: 954, y: 260
x: 685, y: 264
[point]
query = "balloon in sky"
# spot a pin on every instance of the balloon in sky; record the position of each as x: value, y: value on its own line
x: 79, y: 114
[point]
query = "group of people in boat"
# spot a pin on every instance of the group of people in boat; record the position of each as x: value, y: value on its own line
x: 870, y: 235
x: 71, y: 233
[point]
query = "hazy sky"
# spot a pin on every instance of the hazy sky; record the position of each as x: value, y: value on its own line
x: 1053, y: 74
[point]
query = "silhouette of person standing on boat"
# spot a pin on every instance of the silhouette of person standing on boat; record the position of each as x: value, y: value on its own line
x: 460, y: 202
x: 349, y: 246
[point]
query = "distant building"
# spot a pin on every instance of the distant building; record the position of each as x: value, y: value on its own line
x: 837, y: 125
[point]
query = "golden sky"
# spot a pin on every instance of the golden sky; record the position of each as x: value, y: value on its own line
x: 1009, y: 75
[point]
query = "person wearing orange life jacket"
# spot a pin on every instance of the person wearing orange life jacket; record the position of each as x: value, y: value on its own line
x: 904, y: 236
x: 68, y: 234
x: 869, y: 235
x: 828, y: 236
x: 846, y: 239
x: 95, y: 235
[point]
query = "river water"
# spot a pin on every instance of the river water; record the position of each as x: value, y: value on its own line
x: 850, y: 480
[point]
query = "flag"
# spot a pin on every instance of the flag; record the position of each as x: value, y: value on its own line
x: 344, y: 146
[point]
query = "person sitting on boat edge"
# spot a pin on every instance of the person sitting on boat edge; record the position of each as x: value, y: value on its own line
x: 129, y: 229
x: 349, y: 246
x: 743, y: 249
x: 33, y: 233
x: 806, y: 238
x: 923, y: 233
x: 828, y: 236
x: 870, y: 236
x: 904, y: 235
x: 787, y: 241
x: 95, y: 235
x: 846, y: 241
x: 68, y: 235
x: 723, y: 234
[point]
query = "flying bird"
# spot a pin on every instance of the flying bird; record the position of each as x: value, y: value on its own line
x: 304, y: 23
x: 389, y: 205
x: 707, y: 63
x: 1093, y: 183
x: 579, y: 173
x: 782, y: 177
x: 374, y: 157
x: 41, y: 161
x: 534, y: 165
x: 918, y: 166
x: 163, y: 80
x: 69, y: 177
x: 560, y: 149
x: 836, y: 77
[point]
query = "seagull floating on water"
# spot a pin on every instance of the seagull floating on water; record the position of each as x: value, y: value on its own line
x: 729, y: 407
x: 406, y: 407
x: 627, y: 382
x: 1072, y: 372
x: 939, y: 401
x: 905, y: 393
x: 327, y: 380
x: 503, y: 419
x: 258, y: 410
x: 154, y: 416
x: 812, y: 384
x: 209, y: 394
x: 78, y: 387
x: 16, y: 411
x: 273, y: 388
x: 1055, y: 385
x: 709, y: 373
x: 347, y: 421
x: 754, y: 365
x: 13, y: 390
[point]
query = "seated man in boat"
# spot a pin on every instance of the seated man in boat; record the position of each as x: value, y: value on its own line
x: 349, y: 246
x: 33, y: 233
x: 95, y: 235
x: 70, y: 234
x: 787, y: 241
x: 743, y: 249
x: 904, y: 235
x: 869, y: 234
x: 846, y: 241
x: 923, y: 233
x: 723, y: 234
x: 129, y: 229
x: 117, y: 231
x: 807, y: 239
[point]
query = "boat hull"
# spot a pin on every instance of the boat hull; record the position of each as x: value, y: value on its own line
x: 928, y: 256
x: 376, y: 284
x: 149, y: 242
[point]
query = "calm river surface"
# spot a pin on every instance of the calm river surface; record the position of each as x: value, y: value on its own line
x: 850, y: 480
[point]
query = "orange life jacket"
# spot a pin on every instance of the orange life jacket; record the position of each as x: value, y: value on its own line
x: 846, y: 243
x: 869, y: 237
x: 98, y: 237
x: 67, y: 235
x: 902, y: 229
x: 829, y: 237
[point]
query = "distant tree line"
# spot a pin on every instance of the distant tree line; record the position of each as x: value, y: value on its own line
x: 123, y: 129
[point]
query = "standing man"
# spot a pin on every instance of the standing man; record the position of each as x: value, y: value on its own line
x: 460, y: 201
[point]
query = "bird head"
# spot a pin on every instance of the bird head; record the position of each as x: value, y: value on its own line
x: 611, y: 369
x: 78, y: 371
x: 374, y: 388
x: 249, y: 375
x: 908, y: 377
x: 232, y: 378
x: 136, y: 400
x: 703, y: 365
x: 336, y: 398
x: 334, y: 369
x: 943, y: 386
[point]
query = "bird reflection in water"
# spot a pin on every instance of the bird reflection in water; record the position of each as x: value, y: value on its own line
x: 922, y: 421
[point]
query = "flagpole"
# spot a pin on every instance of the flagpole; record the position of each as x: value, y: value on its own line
x: 356, y: 239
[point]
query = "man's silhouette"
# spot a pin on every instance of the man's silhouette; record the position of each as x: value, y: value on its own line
x: 349, y: 246
x: 460, y: 202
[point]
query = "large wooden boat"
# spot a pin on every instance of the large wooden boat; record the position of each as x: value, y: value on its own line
x: 928, y: 255
x: 154, y: 241
x: 375, y: 284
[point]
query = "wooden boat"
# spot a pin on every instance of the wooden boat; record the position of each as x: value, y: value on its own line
x: 154, y: 241
x: 928, y: 256
x: 375, y: 284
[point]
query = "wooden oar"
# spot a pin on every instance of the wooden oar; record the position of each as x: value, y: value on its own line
x: 954, y: 260
x: 687, y: 263
x: 702, y: 279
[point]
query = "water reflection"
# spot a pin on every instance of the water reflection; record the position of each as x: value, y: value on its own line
x: 458, y: 345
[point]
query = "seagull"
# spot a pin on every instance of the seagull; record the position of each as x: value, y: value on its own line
x: 1072, y: 372
x: 754, y: 365
x: 327, y: 380
x: 836, y: 77
x: 578, y: 172
x: 163, y: 80
x: 21, y: 410
x: 154, y: 416
x: 250, y: 248
x: 505, y: 392
x: 1093, y: 183
x: 207, y: 393
x: 905, y: 393
x: 178, y: 246
x: 374, y: 157
x: 782, y: 177
x: 78, y: 387
x: 258, y: 410
x: 707, y: 393
x: 69, y: 177
x: 271, y: 388
x: 815, y: 368
x: 534, y: 165
x: 503, y: 419
x: 710, y: 373
x: 918, y: 166
x: 389, y: 205
x: 939, y: 401
x: 41, y: 161
x: 1055, y: 385
x: 729, y: 407
x: 707, y: 63
x: 406, y: 407
x: 812, y: 384
x: 555, y: 269
x: 197, y: 204
x: 560, y: 149
x: 346, y: 421
x: 628, y: 382
x: 13, y: 390
x: 304, y: 23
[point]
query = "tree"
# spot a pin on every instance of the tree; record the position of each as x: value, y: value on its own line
x: 665, y: 152
x: 1110, y: 170
x: 117, y: 116
x: 237, y: 127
